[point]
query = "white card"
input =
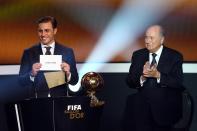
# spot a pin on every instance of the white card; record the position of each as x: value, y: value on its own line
x: 51, y: 62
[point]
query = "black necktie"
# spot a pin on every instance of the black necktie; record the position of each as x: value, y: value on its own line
x: 48, y: 52
x: 151, y: 82
x: 154, y: 60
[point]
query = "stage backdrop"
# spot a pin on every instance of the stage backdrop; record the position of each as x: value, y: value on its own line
x: 82, y: 23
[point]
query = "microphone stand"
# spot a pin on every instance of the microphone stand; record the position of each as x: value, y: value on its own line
x: 35, y: 88
x: 66, y: 83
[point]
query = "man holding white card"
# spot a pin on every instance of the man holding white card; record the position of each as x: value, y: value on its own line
x: 45, y: 57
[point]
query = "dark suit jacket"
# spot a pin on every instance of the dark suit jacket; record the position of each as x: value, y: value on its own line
x: 164, y: 99
x: 31, y: 56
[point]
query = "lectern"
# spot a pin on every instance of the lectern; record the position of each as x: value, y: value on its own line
x: 59, y: 114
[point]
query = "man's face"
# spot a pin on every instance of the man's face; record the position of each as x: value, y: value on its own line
x: 153, y: 39
x: 46, y: 33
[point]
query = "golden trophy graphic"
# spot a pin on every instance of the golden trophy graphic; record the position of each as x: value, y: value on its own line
x: 92, y: 82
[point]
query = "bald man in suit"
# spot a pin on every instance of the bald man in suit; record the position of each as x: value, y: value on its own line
x: 156, y: 72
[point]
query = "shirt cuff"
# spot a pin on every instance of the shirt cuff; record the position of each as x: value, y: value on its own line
x: 69, y: 77
x: 142, y: 81
x: 31, y: 78
x: 158, y: 80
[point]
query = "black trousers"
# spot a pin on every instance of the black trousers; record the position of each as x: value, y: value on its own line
x: 138, y: 115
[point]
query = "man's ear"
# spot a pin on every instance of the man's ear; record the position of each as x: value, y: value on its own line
x: 162, y: 40
x: 55, y: 31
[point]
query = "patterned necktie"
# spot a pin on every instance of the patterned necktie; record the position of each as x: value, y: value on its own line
x: 154, y: 60
x: 48, y: 52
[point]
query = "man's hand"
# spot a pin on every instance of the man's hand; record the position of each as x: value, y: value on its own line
x: 146, y: 68
x: 35, y: 68
x: 66, y: 68
x: 150, y: 71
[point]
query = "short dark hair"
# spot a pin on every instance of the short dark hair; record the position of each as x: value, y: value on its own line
x: 45, y: 19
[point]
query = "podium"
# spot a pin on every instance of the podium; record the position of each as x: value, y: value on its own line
x: 59, y: 114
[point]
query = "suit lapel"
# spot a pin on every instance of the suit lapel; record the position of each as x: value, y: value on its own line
x: 162, y: 60
x: 37, y: 51
x: 146, y: 56
x: 57, y: 50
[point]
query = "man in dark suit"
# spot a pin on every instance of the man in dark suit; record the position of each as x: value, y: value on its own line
x: 30, y: 74
x: 156, y: 72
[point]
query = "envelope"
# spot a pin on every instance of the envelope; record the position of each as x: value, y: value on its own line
x: 54, y: 79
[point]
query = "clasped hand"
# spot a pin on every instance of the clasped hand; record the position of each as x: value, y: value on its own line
x: 150, y: 71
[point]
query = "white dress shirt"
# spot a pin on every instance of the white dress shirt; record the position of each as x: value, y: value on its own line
x: 52, y: 45
x: 158, y: 52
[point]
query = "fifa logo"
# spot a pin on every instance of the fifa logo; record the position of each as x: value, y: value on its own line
x: 74, y: 111
x: 73, y: 107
